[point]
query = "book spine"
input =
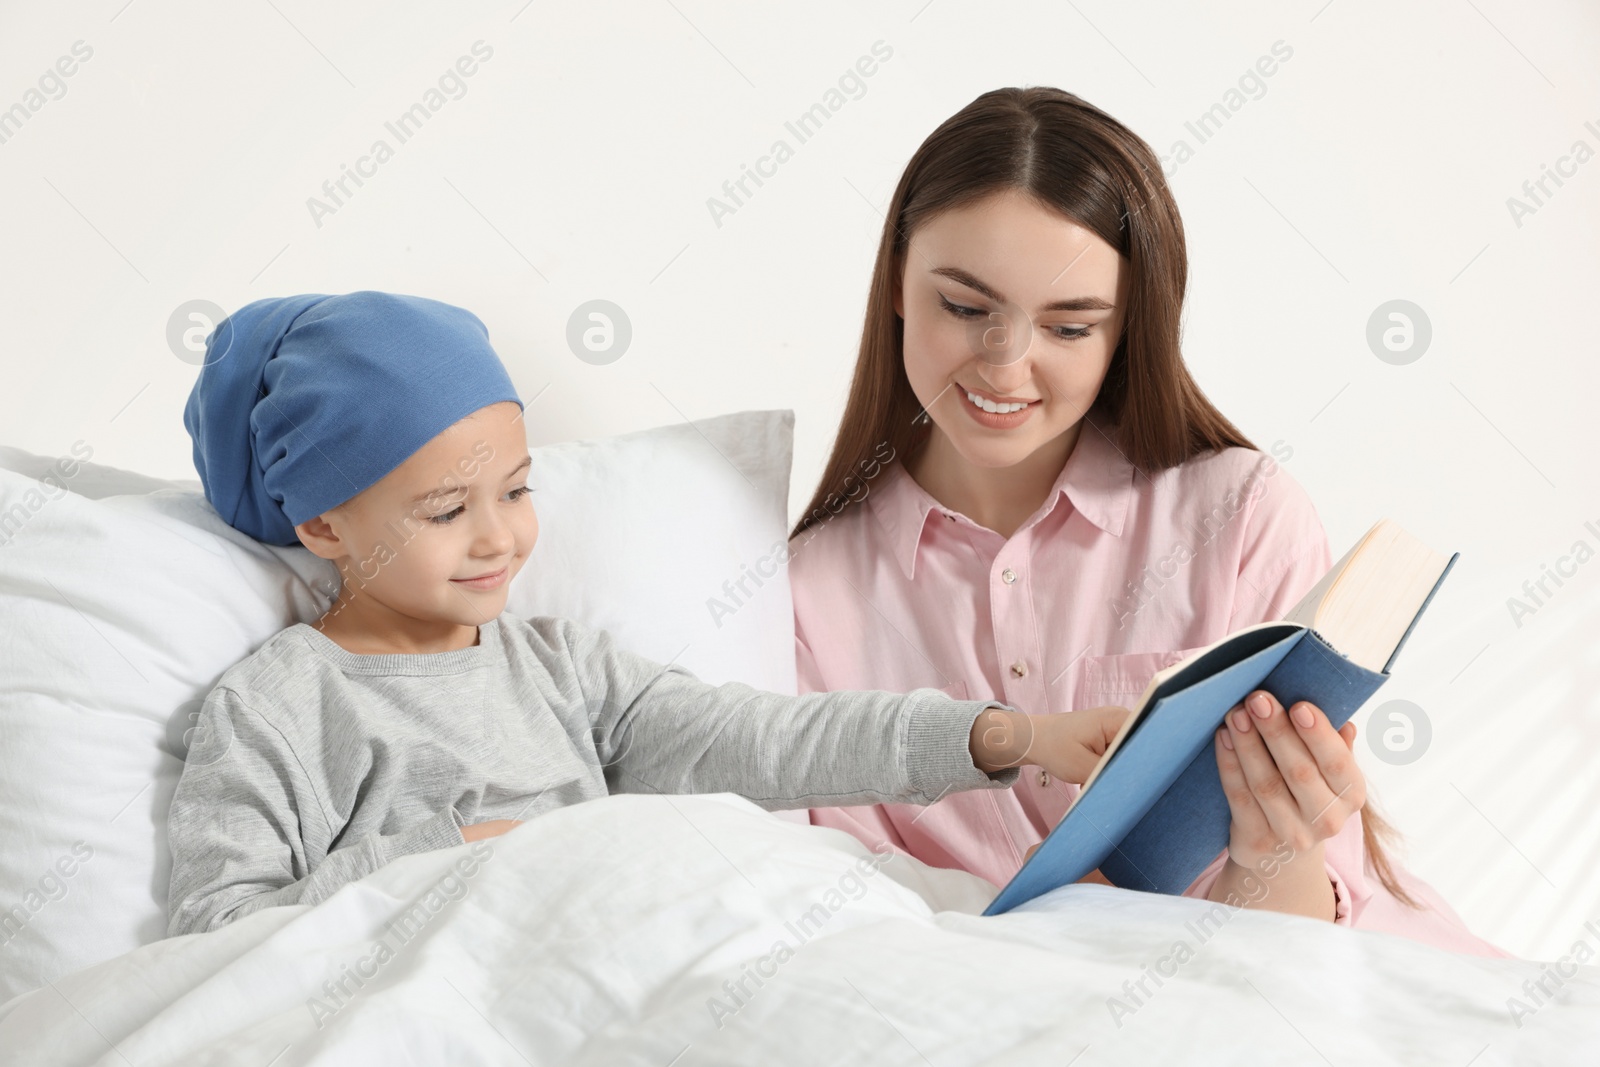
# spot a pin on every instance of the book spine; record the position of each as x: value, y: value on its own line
x: 1389, y: 666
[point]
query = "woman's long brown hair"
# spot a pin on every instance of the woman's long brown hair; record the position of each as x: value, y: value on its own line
x: 1080, y: 162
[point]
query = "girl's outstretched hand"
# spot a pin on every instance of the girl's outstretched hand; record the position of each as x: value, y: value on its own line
x: 1290, y: 777
x: 493, y: 828
x: 1067, y: 745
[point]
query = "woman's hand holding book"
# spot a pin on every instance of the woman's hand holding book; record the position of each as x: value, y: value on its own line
x: 1291, y: 780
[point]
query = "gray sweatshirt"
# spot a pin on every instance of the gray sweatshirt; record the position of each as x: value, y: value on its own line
x: 312, y: 766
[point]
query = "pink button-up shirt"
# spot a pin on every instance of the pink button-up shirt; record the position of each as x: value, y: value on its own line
x: 1114, y: 577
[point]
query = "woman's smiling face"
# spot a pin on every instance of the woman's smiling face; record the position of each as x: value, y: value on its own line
x: 1012, y: 302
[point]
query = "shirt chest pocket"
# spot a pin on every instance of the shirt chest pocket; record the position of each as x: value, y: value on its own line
x: 1097, y: 681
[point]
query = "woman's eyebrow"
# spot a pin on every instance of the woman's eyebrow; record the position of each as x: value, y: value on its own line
x: 971, y: 281
x: 527, y: 461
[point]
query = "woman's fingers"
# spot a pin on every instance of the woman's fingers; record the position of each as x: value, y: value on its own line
x: 1248, y: 818
x: 1333, y: 751
x: 1314, y: 763
x: 1288, y: 739
x: 1289, y: 775
x: 1277, y: 797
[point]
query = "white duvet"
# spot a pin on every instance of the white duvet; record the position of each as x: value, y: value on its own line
x: 700, y: 930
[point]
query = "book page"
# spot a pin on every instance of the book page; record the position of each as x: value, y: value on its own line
x: 1305, y: 612
x: 1372, y: 605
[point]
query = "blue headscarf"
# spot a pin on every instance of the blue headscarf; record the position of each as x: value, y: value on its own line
x: 304, y: 401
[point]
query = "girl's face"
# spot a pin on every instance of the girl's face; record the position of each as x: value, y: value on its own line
x: 1010, y: 302
x: 457, y: 509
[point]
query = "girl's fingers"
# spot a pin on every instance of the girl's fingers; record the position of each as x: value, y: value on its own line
x: 1288, y: 739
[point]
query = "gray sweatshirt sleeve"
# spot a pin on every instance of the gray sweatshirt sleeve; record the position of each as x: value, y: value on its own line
x: 246, y: 827
x: 659, y: 729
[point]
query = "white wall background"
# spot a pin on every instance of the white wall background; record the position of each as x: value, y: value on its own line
x: 1376, y: 165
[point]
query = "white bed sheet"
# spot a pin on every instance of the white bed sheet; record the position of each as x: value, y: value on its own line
x: 603, y: 933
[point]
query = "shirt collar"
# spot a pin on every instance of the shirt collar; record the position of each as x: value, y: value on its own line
x: 1097, y: 478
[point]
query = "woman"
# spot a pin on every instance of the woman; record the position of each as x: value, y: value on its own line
x: 1030, y: 500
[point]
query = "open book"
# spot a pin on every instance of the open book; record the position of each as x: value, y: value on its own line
x: 1153, y: 815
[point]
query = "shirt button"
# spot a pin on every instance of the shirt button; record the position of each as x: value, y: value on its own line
x: 1019, y: 668
x: 1008, y: 576
x: 1044, y: 777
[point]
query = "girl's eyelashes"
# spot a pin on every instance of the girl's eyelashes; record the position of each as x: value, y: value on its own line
x: 961, y: 311
x: 450, y: 516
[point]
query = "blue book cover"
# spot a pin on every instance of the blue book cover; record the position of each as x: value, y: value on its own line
x: 1154, y: 815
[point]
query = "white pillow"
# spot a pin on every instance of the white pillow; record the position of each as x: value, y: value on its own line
x: 123, y: 598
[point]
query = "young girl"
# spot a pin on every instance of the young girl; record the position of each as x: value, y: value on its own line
x: 1030, y: 498
x: 383, y: 433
